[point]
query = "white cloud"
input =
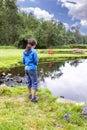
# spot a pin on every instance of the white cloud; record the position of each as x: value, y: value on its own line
x: 20, y: 0
x: 84, y: 22
x: 38, y: 13
x: 77, y: 9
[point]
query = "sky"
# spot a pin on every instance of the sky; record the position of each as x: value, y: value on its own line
x: 70, y: 12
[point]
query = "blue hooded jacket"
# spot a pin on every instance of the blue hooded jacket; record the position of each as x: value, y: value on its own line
x: 30, y: 60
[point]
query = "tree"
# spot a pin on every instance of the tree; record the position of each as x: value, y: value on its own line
x: 16, y: 27
x: 12, y: 19
x: 9, y: 21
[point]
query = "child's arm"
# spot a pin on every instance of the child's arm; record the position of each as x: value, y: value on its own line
x: 23, y: 59
x: 35, y: 58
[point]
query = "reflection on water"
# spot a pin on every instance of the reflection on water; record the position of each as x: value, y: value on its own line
x: 68, y: 79
x: 51, y: 70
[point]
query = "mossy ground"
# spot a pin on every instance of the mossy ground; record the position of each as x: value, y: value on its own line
x: 17, y: 112
x: 13, y: 57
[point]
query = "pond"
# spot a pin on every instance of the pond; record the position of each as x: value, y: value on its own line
x: 66, y: 79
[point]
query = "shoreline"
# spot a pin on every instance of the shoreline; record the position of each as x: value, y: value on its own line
x: 64, y: 100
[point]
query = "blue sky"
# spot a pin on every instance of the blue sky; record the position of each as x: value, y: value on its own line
x: 70, y: 12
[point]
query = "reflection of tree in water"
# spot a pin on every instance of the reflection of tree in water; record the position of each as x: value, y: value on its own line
x: 75, y: 63
x: 42, y: 75
x: 50, y: 70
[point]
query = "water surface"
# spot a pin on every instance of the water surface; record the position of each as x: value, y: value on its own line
x: 68, y: 79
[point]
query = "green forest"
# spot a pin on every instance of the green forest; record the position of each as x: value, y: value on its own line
x: 16, y: 27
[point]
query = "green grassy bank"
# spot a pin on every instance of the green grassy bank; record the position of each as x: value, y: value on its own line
x: 18, y: 113
x: 12, y: 57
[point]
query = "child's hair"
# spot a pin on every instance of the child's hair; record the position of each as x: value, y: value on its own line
x: 32, y: 42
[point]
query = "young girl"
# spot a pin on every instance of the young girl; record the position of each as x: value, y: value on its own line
x: 30, y: 60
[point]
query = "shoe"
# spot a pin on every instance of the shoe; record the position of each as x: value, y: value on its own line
x: 30, y: 96
x: 35, y: 99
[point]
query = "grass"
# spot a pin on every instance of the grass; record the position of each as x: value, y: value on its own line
x: 18, y: 113
x: 10, y: 57
x: 60, y: 51
x: 7, y: 47
x: 13, y: 57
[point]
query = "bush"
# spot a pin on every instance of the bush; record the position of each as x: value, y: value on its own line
x: 21, y: 43
x: 80, y: 46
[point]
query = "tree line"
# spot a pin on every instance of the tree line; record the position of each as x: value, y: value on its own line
x: 16, y: 27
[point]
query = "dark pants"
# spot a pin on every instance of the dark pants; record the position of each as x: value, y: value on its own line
x: 32, y: 79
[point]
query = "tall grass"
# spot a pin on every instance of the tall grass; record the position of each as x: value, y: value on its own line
x: 18, y: 113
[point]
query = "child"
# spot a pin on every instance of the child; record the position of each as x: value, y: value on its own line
x: 30, y: 60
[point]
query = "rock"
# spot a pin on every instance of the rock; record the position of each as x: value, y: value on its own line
x: 9, y: 75
x: 84, y: 111
x: 12, y: 80
x: 8, y: 79
x: 10, y: 83
x: 1, y: 81
x: 59, y: 126
x: 66, y: 117
x: 19, y: 81
x: 61, y: 96
x: 3, y: 74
